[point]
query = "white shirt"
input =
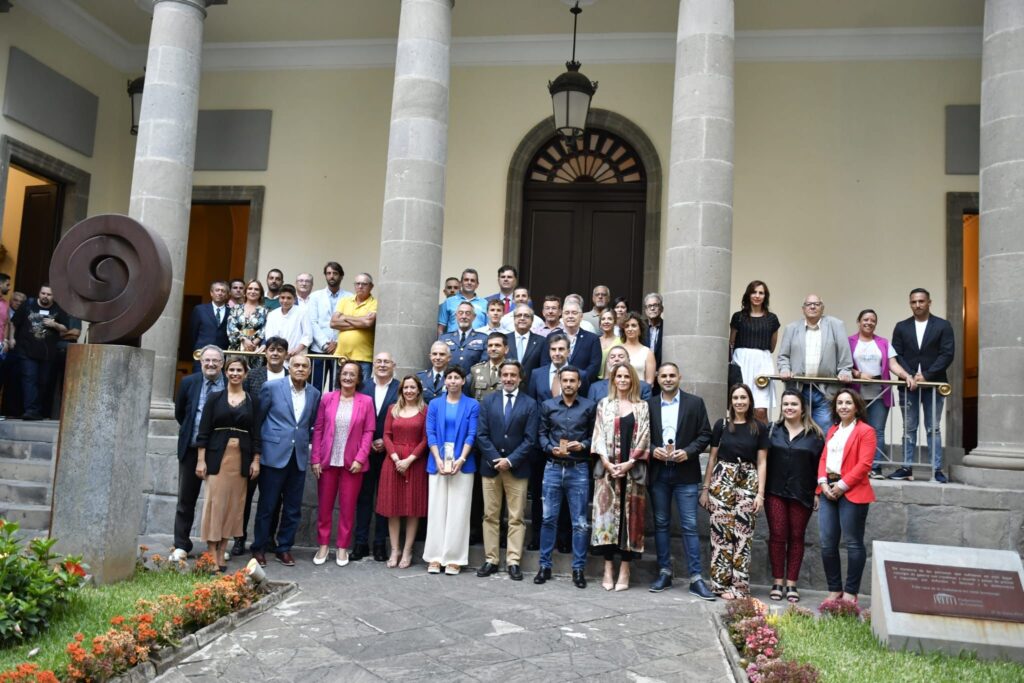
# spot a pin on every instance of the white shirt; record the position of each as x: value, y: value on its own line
x: 868, y: 359
x: 812, y: 349
x: 380, y: 392
x: 920, y: 327
x: 275, y: 375
x: 322, y: 304
x: 298, y: 401
x: 220, y: 313
x: 510, y: 324
x: 506, y: 399
x: 552, y: 373
x: 669, y: 418
x: 500, y: 328
x: 299, y: 301
x: 294, y: 327
x: 834, y: 455
x: 522, y: 342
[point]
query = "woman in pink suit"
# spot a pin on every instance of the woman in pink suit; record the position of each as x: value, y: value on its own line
x: 342, y: 437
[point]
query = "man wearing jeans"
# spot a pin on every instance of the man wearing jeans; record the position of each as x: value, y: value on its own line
x: 816, y: 346
x: 680, y: 431
x: 924, y: 349
x: 566, y: 427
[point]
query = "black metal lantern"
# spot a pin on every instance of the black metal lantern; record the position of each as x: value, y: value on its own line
x: 135, y: 95
x: 571, y: 92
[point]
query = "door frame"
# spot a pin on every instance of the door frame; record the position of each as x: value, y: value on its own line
x: 957, y: 204
x: 75, y: 181
x: 648, y: 155
x: 254, y: 195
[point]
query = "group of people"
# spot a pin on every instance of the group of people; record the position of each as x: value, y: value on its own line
x: 587, y: 425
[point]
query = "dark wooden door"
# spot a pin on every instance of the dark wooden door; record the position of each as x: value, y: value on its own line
x: 575, y: 239
x: 40, y: 230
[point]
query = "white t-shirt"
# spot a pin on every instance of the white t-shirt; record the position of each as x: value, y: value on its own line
x: 920, y: 327
x: 834, y: 454
x: 868, y: 359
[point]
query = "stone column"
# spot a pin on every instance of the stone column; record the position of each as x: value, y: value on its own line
x: 698, y: 249
x: 1001, y: 243
x: 161, y: 194
x: 413, y: 221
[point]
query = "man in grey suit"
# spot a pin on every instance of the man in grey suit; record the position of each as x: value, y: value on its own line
x: 816, y: 346
x: 287, y: 413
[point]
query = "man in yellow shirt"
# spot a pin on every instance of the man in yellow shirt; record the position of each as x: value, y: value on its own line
x: 355, y: 318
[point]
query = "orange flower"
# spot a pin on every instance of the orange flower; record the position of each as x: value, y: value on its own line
x: 117, y: 621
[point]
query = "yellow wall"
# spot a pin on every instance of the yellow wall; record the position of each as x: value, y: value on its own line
x: 14, y: 205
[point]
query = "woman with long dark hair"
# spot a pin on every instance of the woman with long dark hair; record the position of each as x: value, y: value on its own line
x: 640, y: 357
x: 246, y: 323
x: 733, y: 492
x: 753, y: 332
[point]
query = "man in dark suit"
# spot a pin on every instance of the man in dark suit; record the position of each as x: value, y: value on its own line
x: 680, y: 431
x: 188, y: 409
x: 924, y: 349
x: 584, y: 347
x: 287, y: 412
x: 506, y: 438
x: 382, y: 387
x: 432, y: 378
x: 523, y: 345
x: 654, y: 306
x: 465, y: 344
x: 209, y: 322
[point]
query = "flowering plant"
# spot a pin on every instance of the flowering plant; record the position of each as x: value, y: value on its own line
x: 839, y: 608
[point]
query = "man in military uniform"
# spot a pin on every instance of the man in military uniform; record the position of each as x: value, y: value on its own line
x: 465, y: 344
x: 486, y: 376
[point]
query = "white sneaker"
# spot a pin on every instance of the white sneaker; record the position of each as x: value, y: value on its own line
x: 321, y: 556
x: 227, y: 556
x: 341, y: 557
x: 178, y: 555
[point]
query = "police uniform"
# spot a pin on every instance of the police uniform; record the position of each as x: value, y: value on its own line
x: 483, y: 380
x: 465, y: 353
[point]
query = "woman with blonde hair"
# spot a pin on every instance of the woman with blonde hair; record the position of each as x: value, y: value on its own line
x: 622, y: 436
x: 610, y: 337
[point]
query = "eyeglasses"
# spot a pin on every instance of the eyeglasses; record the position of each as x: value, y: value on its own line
x: 383, y: 362
x: 652, y: 306
x: 813, y: 304
x: 363, y: 284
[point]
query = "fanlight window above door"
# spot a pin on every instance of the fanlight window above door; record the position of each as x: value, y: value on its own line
x: 595, y: 157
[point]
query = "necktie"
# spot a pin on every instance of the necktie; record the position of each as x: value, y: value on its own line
x: 437, y: 381
x: 220, y: 313
x: 520, y: 347
x: 462, y: 339
x: 508, y: 408
x: 556, y: 385
x: 508, y: 304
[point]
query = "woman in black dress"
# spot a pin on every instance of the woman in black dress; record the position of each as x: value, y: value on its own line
x: 754, y: 330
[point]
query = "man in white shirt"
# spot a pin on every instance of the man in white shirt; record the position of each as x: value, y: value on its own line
x: 322, y: 304
x: 289, y: 322
x: 521, y: 295
x: 303, y: 288
x: 495, y: 318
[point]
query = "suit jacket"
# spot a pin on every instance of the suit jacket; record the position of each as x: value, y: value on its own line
x: 586, y: 355
x: 281, y: 433
x: 220, y: 423
x: 533, y: 357
x: 693, y: 434
x: 835, y: 350
x: 360, y: 431
x: 205, y: 329
x: 466, y: 426
x: 466, y: 355
x: 390, y: 397
x: 426, y: 378
x: 539, y: 386
x: 657, y: 346
x: 858, y: 457
x: 515, y: 440
x: 599, y: 390
x: 935, y: 353
x: 185, y: 404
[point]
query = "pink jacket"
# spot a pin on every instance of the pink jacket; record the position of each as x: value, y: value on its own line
x: 360, y: 434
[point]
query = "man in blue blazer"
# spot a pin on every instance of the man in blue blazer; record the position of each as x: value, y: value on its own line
x: 506, y: 438
x: 523, y: 345
x: 287, y: 413
x: 584, y: 347
x: 432, y: 378
x: 188, y: 409
x: 382, y: 387
x: 924, y: 349
x: 209, y: 322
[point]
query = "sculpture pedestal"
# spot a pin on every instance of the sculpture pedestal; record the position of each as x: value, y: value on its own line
x: 101, y: 451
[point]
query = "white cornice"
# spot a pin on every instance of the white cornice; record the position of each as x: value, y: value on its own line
x: 811, y: 45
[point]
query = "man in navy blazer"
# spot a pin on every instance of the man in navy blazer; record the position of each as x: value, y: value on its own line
x: 584, y: 347
x: 209, y: 322
x: 523, y: 345
x: 382, y: 387
x: 654, y: 306
x: 432, y: 378
x: 188, y: 409
x: 924, y: 349
x: 287, y: 413
x: 506, y: 438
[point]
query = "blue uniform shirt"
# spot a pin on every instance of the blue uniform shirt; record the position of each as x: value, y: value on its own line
x: 468, y: 353
x: 446, y: 312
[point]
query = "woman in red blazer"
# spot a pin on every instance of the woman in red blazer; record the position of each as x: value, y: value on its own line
x: 342, y: 436
x: 846, y: 492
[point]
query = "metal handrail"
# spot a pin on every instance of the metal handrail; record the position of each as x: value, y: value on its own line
x: 944, y: 388
x: 231, y: 352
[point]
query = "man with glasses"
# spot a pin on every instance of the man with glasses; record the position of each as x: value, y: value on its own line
x: 188, y: 410
x: 816, y: 346
x: 382, y: 387
x: 303, y: 288
x: 654, y: 306
x: 600, y: 298
x: 524, y: 345
x: 355, y: 319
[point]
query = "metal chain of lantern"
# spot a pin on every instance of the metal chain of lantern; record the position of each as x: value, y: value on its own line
x: 135, y: 89
x: 571, y: 92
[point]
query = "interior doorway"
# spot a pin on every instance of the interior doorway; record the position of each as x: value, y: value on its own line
x: 32, y: 218
x: 970, y: 338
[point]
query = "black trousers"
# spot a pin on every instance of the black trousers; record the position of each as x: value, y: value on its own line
x: 189, y: 486
x: 275, y: 518
x: 365, y: 505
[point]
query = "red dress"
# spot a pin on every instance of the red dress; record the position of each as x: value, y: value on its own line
x: 405, y: 495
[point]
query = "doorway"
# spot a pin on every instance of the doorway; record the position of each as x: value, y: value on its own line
x: 962, y: 231
x: 970, y: 357
x: 31, y: 228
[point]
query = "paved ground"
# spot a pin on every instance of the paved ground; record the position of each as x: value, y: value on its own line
x: 364, y: 622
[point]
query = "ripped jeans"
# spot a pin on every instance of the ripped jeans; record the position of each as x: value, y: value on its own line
x: 572, y: 479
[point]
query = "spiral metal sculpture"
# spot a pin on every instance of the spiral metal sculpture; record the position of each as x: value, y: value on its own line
x: 114, y: 272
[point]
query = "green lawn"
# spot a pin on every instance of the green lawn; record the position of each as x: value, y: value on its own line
x: 89, y: 611
x: 845, y: 650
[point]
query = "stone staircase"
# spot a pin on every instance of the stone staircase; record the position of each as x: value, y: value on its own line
x: 27, y: 451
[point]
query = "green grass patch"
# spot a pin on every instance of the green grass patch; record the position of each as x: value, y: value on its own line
x: 845, y: 651
x: 90, y: 610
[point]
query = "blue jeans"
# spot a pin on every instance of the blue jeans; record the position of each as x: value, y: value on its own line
x: 820, y: 407
x: 35, y: 378
x: 663, y: 490
x: 877, y: 415
x: 916, y: 402
x: 284, y: 483
x: 842, y: 519
x: 573, y: 481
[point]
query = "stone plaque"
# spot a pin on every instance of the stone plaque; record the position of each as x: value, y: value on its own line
x: 955, y: 591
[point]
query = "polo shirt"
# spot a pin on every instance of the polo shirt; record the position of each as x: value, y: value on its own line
x: 356, y: 345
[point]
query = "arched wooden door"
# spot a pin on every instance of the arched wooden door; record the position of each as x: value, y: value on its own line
x: 584, y: 218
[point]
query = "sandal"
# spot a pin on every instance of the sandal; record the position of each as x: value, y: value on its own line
x: 728, y: 595
x: 405, y: 562
x: 792, y: 594
x: 434, y: 568
x: 393, y: 560
x: 776, y: 592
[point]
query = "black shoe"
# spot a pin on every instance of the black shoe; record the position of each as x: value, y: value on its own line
x: 486, y: 569
x: 543, y: 574
x: 239, y: 547
x: 514, y: 572
x: 31, y: 417
x: 700, y: 590
x: 360, y: 551
x: 380, y: 553
x: 876, y: 472
x: 534, y: 544
x: 475, y: 539
x: 564, y: 548
x: 902, y: 474
x: 940, y: 478
x: 661, y: 583
x: 578, y: 579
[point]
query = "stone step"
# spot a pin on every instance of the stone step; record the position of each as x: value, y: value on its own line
x: 163, y: 428
x: 28, y: 534
x: 44, y: 431
x: 27, y: 515
x: 14, y: 491
x: 26, y: 450
x: 162, y: 445
x: 30, y: 470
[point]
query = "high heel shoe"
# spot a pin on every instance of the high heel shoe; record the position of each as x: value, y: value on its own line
x: 623, y: 583
x: 608, y: 582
